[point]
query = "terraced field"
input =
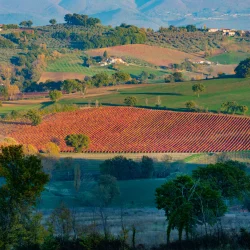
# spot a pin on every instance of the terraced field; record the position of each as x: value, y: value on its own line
x: 123, y: 129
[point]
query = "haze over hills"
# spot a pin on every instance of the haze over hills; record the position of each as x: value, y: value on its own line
x: 146, y: 13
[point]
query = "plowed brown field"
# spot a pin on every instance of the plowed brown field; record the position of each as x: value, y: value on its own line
x: 123, y: 129
x: 151, y: 54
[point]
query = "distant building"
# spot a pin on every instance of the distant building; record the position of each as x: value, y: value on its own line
x: 228, y: 32
x: 213, y: 30
x: 112, y: 60
x: 1, y: 27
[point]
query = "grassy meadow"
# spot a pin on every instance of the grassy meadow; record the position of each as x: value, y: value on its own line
x: 173, y: 96
x: 229, y: 58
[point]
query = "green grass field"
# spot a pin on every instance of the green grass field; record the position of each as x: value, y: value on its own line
x: 229, y: 58
x: 133, y: 194
x: 174, y: 96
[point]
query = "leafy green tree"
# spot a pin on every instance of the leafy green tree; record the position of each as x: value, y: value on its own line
x: 230, y: 107
x: 191, y: 105
x: 243, y: 69
x: 71, y: 85
x: 52, y: 21
x: 144, y: 75
x: 78, y: 141
x: 107, y: 190
x: 24, y: 183
x: 243, y: 109
x: 187, y: 203
x: 55, y: 95
x: 229, y: 178
x: 147, y: 167
x: 130, y: 101
x: 34, y: 116
x: 191, y: 28
x: 100, y: 79
x: 198, y: 88
x: 178, y: 77
x: 105, y: 54
x: 121, y: 77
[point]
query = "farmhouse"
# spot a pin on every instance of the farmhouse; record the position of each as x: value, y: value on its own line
x: 213, y: 30
x: 112, y: 60
x: 228, y: 32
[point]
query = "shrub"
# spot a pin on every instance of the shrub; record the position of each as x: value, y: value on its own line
x: 34, y: 116
x: 78, y: 141
x: 55, y: 95
x: 130, y: 101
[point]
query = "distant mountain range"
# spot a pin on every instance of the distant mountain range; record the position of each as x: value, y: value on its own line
x: 143, y: 13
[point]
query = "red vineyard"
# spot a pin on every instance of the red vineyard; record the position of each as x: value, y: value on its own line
x: 119, y: 129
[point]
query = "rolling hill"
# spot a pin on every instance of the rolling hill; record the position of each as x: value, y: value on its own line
x: 147, y: 13
x: 135, y: 130
x: 151, y: 54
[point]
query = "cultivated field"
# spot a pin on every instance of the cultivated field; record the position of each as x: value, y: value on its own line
x: 73, y: 63
x: 141, y: 130
x: 60, y: 76
x: 152, y: 54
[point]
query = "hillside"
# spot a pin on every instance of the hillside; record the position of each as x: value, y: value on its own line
x: 144, y: 13
x: 151, y: 54
x: 141, y: 130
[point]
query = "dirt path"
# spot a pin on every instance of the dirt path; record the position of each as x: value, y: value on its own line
x: 92, y: 92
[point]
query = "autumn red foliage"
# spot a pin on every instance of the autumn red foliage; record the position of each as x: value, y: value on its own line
x: 124, y: 129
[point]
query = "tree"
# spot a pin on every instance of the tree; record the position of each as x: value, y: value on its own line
x: 24, y: 183
x: 100, y: 79
x: 191, y: 28
x: 230, y: 107
x: 52, y: 150
x: 229, y: 178
x: 71, y: 85
x: 144, y: 75
x: 178, y: 77
x: 121, y: 77
x: 243, y: 69
x: 147, y: 167
x: 243, y: 109
x: 191, y: 105
x: 78, y: 141
x: 27, y: 24
x: 107, y: 190
x: 187, y: 203
x: 198, y: 88
x: 52, y: 21
x: 105, y: 54
x: 55, y: 95
x: 130, y: 101
x: 34, y: 116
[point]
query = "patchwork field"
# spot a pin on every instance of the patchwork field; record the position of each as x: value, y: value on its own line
x: 152, y: 54
x: 141, y: 130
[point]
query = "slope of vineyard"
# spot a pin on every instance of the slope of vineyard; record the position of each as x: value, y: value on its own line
x: 123, y: 129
